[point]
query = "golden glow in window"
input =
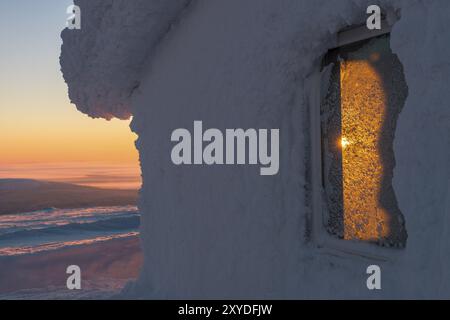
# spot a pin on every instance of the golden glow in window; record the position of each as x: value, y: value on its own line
x: 363, y: 110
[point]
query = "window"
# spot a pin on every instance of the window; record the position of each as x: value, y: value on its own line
x: 355, y: 100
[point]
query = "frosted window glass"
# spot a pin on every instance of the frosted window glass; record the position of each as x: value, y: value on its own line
x: 366, y: 93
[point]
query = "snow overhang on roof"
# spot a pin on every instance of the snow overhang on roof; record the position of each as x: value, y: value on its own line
x: 102, y: 62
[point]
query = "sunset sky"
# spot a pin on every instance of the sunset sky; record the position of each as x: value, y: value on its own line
x: 38, y: 125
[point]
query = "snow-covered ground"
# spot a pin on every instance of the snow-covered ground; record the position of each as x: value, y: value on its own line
x: 37, y: 247
x: 92, y: 290
x: 54, y: 228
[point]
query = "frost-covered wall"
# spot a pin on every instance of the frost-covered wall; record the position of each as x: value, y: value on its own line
x: 226, y: 231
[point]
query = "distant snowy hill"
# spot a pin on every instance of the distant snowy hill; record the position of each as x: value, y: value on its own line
x: 24, y: 195
x: 19, y: 184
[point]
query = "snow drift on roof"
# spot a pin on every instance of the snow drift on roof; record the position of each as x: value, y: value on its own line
x: 102, y: 61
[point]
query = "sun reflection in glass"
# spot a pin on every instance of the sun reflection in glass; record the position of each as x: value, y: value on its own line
x: 344, y: 142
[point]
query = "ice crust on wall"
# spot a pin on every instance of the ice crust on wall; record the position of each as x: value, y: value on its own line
x: 226, y: 231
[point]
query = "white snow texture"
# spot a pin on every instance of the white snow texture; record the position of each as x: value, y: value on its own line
x: 226, y: 231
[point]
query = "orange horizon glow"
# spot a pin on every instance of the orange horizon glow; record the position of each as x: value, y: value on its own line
x: 77, y: 150
x: 80, y: 139
x: 93, y: 174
